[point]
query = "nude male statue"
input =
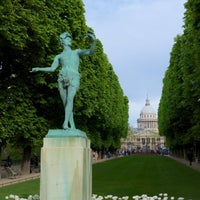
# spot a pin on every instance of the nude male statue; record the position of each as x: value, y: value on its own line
x: 68, y: 77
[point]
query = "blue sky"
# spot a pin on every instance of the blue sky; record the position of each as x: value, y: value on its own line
x: 137, y: 36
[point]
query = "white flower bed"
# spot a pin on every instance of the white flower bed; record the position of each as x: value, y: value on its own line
x: 30, y: 197
x: 162, y: 196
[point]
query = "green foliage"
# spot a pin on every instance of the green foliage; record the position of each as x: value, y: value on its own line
x: 19, y: 118
x: 191, y: 70
x: 173, y: 114
x: 30, y: 103
x: 179, y: 110
x: 100, y: 104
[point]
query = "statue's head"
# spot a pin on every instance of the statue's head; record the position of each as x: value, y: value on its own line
x: 65, y: 37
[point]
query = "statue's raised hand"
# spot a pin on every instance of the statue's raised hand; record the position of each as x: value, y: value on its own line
x: 36, y: 69
x: 91, y: 35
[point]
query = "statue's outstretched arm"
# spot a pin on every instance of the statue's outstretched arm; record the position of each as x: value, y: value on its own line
x: 53, y: 67
x: 85, y: 52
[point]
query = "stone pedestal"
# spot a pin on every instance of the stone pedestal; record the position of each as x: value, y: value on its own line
x: 66, y: 167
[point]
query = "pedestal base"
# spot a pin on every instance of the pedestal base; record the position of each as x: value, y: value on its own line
x: 66, y: 169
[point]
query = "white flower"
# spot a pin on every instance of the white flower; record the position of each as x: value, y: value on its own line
x: 161, y: 196
x: 136, y: 197
x: 108, y: 197
x: 144, y: 196
x: 16, y: 197
x: 30, y: 197
x: 94, y: 196
x: 114, y: 197
x: 36, y: 197
x: 99, y: 198
x: 155, y: 197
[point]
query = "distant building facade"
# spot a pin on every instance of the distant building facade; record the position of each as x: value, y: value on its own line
x: 145, y: 138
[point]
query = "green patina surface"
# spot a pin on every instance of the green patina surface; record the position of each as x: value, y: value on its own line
x: 59, y: 133
x: 68, y: 77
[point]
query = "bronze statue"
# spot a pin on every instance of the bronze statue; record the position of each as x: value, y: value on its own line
x: 68, y: 77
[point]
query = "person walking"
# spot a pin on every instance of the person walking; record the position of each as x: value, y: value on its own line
x: 190, y: 156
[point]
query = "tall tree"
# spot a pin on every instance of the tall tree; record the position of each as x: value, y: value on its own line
x: 173, y: 115
x: 191, y: 57
x: 29, y: 37
x: 179, y: 111
x: 100, y: 106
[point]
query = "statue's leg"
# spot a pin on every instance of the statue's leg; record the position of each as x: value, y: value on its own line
x: 69, y: 107
x: 63, y: 93
x: 71, y: 121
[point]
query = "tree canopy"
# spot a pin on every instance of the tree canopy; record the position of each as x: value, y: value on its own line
x: 30, y: 103
x: 179, y: 109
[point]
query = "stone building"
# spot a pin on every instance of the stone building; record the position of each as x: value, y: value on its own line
x: 148, y: 119
x: 144, y: 138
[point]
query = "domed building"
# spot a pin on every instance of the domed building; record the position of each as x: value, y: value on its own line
x: 144, y: 138
x: 148, y: 119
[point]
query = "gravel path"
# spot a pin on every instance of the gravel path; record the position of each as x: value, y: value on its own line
x: 194, y: 165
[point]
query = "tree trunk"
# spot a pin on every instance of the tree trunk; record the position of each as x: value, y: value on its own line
x: 26, y: 157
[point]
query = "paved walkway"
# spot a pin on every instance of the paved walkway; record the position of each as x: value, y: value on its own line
x: 194, y: 165
x: 18, y: 179
x: 23, y: 178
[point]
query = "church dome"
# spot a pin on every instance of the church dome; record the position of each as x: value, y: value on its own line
x: 148, y: 119
x: 147, y: 109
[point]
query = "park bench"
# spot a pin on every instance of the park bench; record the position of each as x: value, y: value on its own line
x: 11, y: 173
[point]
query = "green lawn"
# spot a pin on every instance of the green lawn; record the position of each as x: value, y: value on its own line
x: 146, y: 174
x: 132, y: 175
x: 23, y: 189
